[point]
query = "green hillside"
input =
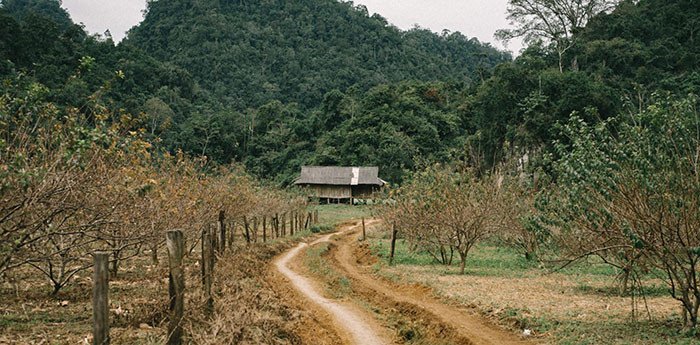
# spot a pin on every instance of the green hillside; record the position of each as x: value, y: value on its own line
x: 247, y: 53
x: 277, y: 84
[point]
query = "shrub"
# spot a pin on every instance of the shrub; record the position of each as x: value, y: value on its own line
x: 628, y: 191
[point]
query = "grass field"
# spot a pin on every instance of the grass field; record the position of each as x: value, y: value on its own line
x: 581, y: 304
x: 332, y: 215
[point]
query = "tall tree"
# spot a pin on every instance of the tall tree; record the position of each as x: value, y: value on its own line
x: 554, y: 21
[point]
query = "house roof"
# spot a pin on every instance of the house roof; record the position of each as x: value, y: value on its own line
x: 340, y: 176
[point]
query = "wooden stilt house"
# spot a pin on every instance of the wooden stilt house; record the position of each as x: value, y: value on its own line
x: 340, y: 184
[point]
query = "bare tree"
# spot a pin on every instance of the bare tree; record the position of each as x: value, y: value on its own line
x: 472, y: 211
x: 443, y: 211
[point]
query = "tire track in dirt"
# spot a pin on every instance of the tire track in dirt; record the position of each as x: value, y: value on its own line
x: 359, y: 328
x: 471, y: 328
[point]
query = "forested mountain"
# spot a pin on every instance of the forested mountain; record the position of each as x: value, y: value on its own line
x: 617, y: 64
x: 652, y: 43
x: 39, y: 41
x: 247, y: 53
x: 247, y: 82
x: 277, y: 84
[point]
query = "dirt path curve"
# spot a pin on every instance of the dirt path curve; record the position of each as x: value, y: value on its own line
x: 467, y: 323
x: 357, y: 326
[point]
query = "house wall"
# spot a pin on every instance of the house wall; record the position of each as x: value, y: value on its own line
x: 329, y: 191
x: 363, y: 191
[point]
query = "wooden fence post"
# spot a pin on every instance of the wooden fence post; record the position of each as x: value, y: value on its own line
x: 231, y: 234
x: 207, y: 270
x: 222, y: 231
x: 292, y: 222
x: 100, y: 300
x: 316, y: 216
x: 255, y: 229
x: 364, y: 233
x: 284, y: 224
x: 154, y: 247
x: 176, y: 286
x: 393, y: 243
x: 213, y: 229
x: 264, y: 225
x: 246, y: 227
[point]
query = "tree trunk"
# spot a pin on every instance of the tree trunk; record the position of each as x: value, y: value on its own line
x: 222, y: 231
x: 231, y: 234
x: 561, y: 61
x: 255, y: 229
x: 264, y: 226
x: 462, y: 262
x: 246, y: 228
x: 114, y: 265
x: 394, y: 232
x: 284, y: 224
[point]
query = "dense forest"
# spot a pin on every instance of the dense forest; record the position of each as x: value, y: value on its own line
x: 278, y: 84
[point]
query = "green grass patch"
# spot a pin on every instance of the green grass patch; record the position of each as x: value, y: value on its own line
x: 591, y: 266
x: 332, y: 215
x: 316, y: 229
x: 609, y: 331
x: 403, y: 255
x: 337, y: 285
x: 26, y: 322
x: 482, y: 260
x: 650, y: 290
x: 622, y: 332
x: 486, y: 259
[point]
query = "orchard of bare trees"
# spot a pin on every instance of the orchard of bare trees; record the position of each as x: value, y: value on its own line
x: 75, y: 182
x: 624, y: 191
x: 445, y: 211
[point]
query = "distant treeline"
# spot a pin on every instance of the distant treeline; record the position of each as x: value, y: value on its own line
x: 278, y: 84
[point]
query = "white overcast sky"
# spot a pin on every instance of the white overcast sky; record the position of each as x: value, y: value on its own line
x: 473, y: 18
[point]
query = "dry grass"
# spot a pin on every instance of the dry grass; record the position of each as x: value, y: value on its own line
x: 29, y: 315
x: 551, y: 304
x: 248, y: 311
x: 579, y: 306
x: 248, y: 308
x: 560, y: 296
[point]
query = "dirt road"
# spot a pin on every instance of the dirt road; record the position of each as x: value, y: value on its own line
x: 359, y: 327
x: 413, y: 305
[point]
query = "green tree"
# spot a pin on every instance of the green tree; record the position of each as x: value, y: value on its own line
x: 627, y: 190
x: 555, y: 21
